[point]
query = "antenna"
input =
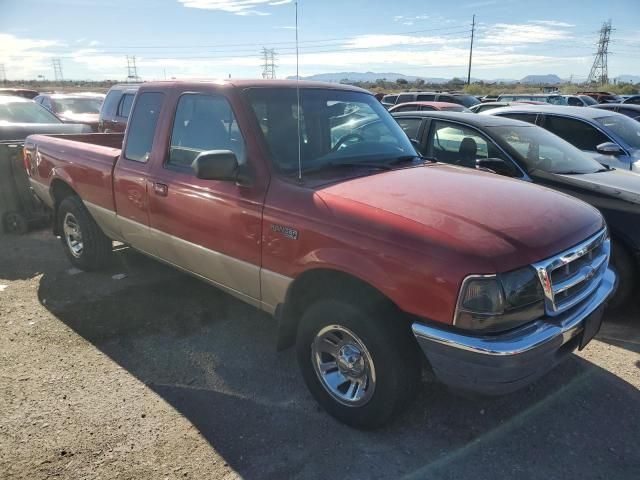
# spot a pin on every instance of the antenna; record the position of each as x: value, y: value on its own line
x: 298, y: 100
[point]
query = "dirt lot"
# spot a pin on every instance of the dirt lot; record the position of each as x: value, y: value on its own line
x: 157, y: 375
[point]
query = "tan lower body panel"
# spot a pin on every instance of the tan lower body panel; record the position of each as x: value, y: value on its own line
x: 259, y: 287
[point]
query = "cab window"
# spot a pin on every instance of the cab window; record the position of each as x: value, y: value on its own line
x: 142, y: 126
x: 203, y: 122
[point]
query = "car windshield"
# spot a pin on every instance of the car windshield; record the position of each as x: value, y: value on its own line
x: 336, y: 128
x: 624, y: 127
x: 25, y: 112
x: 77, y: 105
x: 540, y: 149
x: 588, y: 100
x: 468, y: 100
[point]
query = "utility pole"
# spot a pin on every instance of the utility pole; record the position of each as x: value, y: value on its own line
x: 3, y: 73
x: 599, y: 70
x: 57, y: 69
x: 132, y: 70
x: 473, y: 30
x: 268, y: 63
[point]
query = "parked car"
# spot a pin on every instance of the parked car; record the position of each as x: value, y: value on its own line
x: 459, y: 98
x: 520, y: 150
x: 632, y: 99
x: 116, y: 108
x: 602, y: 97
x: 417, y: 106
x: 579, y: 100
x: 19, y: 92
x: 362, y: 252
x: 628, y: 109
x: 20, y: 117
x: 389, y: 100
x: 554, y: 99
x: 483, y: 107
x: 489, y: 98
x: 73, y: 108
x: 611, y: 138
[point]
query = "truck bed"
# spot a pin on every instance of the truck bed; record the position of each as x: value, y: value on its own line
x: 84, y: 161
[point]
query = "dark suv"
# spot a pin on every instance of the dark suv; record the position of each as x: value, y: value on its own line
x: 116, y: 108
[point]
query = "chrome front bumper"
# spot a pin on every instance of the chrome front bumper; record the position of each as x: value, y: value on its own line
x: 506, y: 362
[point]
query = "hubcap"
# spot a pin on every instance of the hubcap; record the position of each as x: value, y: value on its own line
x: 72, y: 235
x: 344, y: 365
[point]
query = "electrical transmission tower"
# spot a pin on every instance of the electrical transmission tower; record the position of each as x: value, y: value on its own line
x: 57, y: 69
x: 132, y: 70
x: 599, y: 71
x: 268, y: 63
x: 3, y: 73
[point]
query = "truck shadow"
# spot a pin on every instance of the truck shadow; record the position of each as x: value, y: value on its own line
x: 213, y: 359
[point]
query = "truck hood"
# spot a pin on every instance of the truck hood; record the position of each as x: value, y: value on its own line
x: 499, y: 223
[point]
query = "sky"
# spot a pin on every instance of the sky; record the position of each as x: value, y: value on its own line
x: 221, y: 38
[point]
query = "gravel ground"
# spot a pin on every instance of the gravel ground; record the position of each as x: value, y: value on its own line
x: 156, y: 375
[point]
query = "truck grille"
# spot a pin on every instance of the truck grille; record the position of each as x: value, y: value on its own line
x: 571, y: 276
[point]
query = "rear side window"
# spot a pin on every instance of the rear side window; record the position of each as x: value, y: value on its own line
x: 426, y: 98
x: 390, y: 98
x: 574, y: 102
x: 404, y: 98
x: 578, y: 133
x: 124, y: 107
x: 110, y: 103
x: 142, y: 126
x: 203, y: 122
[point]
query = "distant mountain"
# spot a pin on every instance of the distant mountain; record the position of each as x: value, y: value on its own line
x: 550, y: 79
x: 628, y: 79
x: 367, y: 77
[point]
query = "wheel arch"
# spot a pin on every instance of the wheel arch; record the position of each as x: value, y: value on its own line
x: 317, y: 283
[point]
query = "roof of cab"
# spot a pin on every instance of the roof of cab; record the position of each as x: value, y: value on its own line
x: 249, y: 83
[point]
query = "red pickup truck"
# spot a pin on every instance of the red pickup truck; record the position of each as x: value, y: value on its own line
x: 309, y: 201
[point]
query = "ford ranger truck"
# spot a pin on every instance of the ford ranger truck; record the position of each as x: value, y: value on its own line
x: 320, y: 212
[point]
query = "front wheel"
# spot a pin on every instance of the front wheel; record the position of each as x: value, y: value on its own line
x: 86, y: 246
x: 362, y: 367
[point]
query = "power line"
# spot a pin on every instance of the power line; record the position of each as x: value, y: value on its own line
x: 473, y: 29
x: 57, y: 69
x: 599, y: 70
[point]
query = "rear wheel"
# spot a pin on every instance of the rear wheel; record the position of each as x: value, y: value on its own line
x: 86, y: 246
x: 626, y: 268
x: 362, y: 367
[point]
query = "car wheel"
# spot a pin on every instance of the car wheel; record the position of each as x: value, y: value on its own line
x: 86, y: 246
x: 626, y: 268
x: 362, y: 367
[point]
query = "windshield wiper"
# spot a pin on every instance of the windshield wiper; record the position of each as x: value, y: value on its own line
x: 334, y: 165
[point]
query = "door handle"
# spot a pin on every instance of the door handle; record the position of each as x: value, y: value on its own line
x: 160, y: 189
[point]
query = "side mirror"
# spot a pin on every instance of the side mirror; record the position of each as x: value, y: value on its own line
x: 609, y: 148
x: 495, y: 165
x: 216, y: 165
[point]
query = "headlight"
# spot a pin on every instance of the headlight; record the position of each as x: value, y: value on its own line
x: 492, y: 303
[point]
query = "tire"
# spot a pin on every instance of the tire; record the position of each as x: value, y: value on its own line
x: 385, y: 351
x: 626, y: 268
x: 15, y: 223
x: 84, y: 243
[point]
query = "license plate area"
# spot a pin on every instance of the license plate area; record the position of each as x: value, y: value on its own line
x: 591, y: 326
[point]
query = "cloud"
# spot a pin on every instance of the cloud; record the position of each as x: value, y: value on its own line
x: 237, y: 7
x: 25, y: 57
x: 553, y: 23
x: 380, y: 41
x: 521, y: 33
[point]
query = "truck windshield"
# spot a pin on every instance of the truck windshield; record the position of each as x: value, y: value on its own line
x: 540, y: 149
x: 626, y: 128
x: 25, y: 112
x: 337, y: 127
